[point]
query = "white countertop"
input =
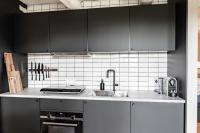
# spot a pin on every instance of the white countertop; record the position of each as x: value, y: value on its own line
x: 135, y: 96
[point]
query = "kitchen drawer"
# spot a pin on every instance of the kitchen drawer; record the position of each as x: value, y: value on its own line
x: 61, y: 105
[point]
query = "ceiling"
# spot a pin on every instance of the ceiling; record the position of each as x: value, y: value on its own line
x: 55, y: 5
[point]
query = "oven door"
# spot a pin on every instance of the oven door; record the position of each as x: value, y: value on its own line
x: 61, y: 126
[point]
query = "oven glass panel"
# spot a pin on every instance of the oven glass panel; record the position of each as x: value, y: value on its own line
x: 58, y: 122
x: 60, y: 129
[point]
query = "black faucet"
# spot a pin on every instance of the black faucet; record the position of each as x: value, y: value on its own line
x: 107, y: 75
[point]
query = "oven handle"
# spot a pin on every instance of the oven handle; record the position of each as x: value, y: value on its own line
x: 60, y: 124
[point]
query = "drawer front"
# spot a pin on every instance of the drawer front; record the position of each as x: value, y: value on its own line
x: 61, y: 105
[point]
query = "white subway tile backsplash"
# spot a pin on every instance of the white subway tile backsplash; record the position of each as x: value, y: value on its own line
x: 141, y: 59
x: 163, y: 59
x: 133, y: 74
x: 135, y: 71
x: 153, y: 59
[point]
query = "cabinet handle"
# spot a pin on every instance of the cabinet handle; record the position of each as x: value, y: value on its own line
x: 37, y: 100
x: 59, y: 124
x: 133, y: 104
x: 132, y: 49
x: 60, y: 101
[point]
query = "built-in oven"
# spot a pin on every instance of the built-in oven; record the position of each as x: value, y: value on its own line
x: 61, y: 122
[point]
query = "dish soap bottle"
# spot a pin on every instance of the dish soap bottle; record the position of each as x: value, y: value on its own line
x: 102, y: 85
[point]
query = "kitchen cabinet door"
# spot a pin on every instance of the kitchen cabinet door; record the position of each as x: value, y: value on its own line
x: 106, y: 117
x: 20, y: 115
x: 152, y: 28
x: 6, y: 33
x: 108, y: 29
x: 68, y: 31
x: 31, y: 33
x: 157, y: 118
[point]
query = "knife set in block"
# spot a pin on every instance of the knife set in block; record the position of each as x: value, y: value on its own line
x: 14, y: 79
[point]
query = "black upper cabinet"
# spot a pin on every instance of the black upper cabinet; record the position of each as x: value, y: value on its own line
x: 31, y: 33
x: 145, y: 28
x: 108, y: 29
x: 152, y: 28
x: 68, y: 31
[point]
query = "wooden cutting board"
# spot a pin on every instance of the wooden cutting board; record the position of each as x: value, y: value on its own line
x: 14, y: 79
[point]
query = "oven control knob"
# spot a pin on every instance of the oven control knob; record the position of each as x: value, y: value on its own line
x: 73, y: 117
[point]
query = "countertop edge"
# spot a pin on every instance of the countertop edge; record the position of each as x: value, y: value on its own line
x: 94, y: 98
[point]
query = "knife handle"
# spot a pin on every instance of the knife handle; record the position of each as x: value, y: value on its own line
x: 31, y: 70
x: 35, y: 71
x: 39, y: 71
x: 48, y: 72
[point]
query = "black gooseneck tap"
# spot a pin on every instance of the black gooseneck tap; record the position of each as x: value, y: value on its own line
x: 107, y: 75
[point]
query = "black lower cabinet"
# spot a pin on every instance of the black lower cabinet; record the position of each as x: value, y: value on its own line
x: 20, y: 115
x: 106, y: 117
x: 157, y: 118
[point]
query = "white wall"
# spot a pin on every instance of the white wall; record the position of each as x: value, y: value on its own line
x: 191, y: 49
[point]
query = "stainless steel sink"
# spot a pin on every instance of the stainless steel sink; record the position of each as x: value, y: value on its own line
x: 109, y: 93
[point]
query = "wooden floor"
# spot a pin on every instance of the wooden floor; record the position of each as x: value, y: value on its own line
x: 198, y: 128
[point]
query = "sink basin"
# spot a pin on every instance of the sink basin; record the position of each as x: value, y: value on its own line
x: 109, y: 93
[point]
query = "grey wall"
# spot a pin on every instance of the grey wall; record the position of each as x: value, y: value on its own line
x: 7, y: 9
x: 177, y: 59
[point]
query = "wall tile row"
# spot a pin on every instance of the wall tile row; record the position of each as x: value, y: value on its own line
x: 133, y: 70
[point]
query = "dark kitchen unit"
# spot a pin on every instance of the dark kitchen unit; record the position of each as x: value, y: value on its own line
x: 34, y: 33
x: 97, y: 30
x: 152, y: 28
x: 46, y: 115
x: 104, y: 34
x: 20, y: 115
x: 67, y: 28
x: 138, y: 29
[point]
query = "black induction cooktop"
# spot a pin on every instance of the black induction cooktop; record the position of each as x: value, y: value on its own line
x: 68, y: 90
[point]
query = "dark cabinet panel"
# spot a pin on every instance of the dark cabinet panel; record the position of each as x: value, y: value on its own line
x: 108, y: 29
x: 20, y: 115
x: 106, y: 117
x: 152, y: 28
x: 68, y: 31
x: 157, y: 118
x: 31, y: 33
x: 61, y: 105
x: 6, y: 33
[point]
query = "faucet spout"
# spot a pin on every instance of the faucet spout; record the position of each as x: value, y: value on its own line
x: 107, y: 75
